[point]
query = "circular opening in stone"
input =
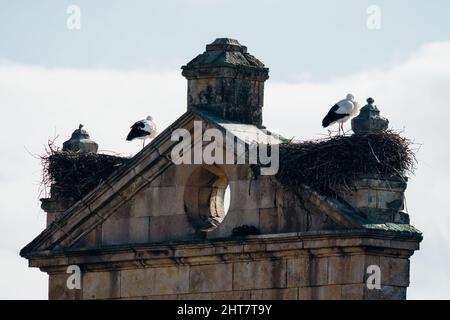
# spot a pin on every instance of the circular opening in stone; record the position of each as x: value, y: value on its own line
x: 227, y: 199
x: 205, y: 198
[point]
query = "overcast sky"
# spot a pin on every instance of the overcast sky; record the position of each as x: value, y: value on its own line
x: 124, y: 64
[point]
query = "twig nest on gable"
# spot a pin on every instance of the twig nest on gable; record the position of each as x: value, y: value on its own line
x: 333, y: 164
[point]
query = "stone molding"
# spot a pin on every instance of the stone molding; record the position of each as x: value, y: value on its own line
x: 319, y: 243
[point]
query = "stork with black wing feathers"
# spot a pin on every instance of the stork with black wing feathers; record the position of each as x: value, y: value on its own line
x: 143, y: 130
x: 341, y: 112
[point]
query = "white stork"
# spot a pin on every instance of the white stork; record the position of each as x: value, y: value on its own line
x: 142, y: 129
x: 341, y: 112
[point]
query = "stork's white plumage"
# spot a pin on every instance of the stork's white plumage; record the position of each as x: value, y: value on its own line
x: 142, y: 129
x: 341, y: 112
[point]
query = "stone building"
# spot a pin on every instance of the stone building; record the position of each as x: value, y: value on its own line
x: 156, y: 230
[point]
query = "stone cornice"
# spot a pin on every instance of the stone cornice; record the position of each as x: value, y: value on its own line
x: 230, y: 249
x: 226, y: 71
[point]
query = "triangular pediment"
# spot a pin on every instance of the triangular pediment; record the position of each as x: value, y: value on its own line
x: 130, y: 187
x: 82, y: 217
x: 140, y: 170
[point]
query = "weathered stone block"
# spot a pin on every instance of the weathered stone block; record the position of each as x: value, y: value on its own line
x: 389, y: 199
x: 331, y: 292
x: 264, y: 192
x: 242, y: 194
x: 298, y: 271
x: 211, y: 278
x: 154, y: 281
x: 223, y: 249
x: 123, y: 212
x: 305, y: 293
x: 171, y: 200
x: 285, y: 199
x: 235, y: 218
x: 282, y: 246
x: 169, y: 280
x: 318, y: 270
x: 51, y: 216
x: 57, y: 288
x: 101, y: 285
x: 408, y: 245
x: 275, y: 294
x: 169, y: 177
x: 114, y: 232
x: 385, y: 293
x: 251, y: 194
x: 236, y: 172
x: 346, y: 269
x: 259, y: 274
x: 136, y: 282
x: 170, y: 227
x: 353, y: 291
x: 90, y: 240
x: 288, y: 219
x: 365, y: 198
x: 268, y: 220
x: 165, y: 146
x: 202, y: 251
x: 151, y: 156
x: 254, y: 247
x: 318, y: 243
x: 139, y: 230
x: 140, y: 204
x: 394, y: 271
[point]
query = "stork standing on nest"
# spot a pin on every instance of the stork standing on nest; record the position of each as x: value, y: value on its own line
x: 341, y: 112
x: 143, y: 130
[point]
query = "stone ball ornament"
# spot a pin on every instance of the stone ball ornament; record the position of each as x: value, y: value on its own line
x: 80, y: 142
x: 369, y: 119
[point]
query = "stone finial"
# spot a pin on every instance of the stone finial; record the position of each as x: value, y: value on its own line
x: 227, y: 81
x: 226, y: 44
x: 80, y: 142
x: 369, y: 119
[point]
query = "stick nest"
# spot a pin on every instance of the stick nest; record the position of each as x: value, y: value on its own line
x: 331, y: 165
x: 73, y: 175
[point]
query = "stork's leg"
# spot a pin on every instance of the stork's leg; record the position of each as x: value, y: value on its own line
x: 143, y: 143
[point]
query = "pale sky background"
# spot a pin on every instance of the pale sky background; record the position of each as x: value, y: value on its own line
x: 125, y: 62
